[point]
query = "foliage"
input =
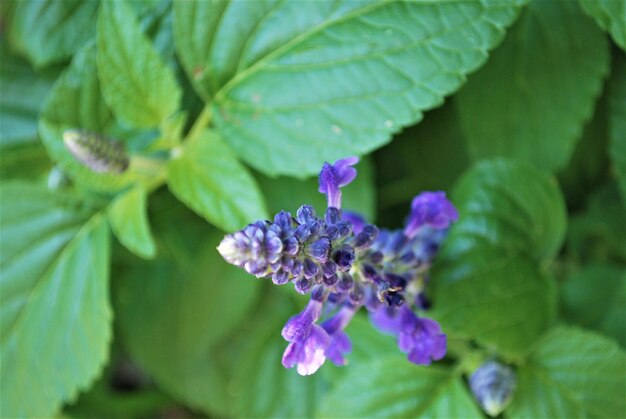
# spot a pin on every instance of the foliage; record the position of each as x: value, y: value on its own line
x: 225, y: 110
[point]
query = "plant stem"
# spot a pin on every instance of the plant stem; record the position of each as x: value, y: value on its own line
x: 203, y: 121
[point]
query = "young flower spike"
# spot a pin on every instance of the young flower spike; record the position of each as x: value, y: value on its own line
x: 346, y: 264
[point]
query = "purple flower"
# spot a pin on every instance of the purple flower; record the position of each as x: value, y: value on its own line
x: 339, y: 342
x: 431, y: 209
x: 332, y: 178
x: 308, y: 341
x: 357, y: 221
x: 307, y: 353
x: 420, y: 338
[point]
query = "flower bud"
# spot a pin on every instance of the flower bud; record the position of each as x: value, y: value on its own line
x: 98, y: 153
x: 493, y: 385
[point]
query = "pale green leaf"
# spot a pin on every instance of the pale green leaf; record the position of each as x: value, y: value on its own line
x: 571, y: 374
x: 22, y: 92
x: 610, y: 15
x: 617, y: 120
x: 289, y: 194
x: 532, y: 99
x: 137, y: 85
x: 56, y: 319
x: 391, y: 387
x: 208, y: 178
x: 47, y: 31
x: 595, y: 297
x: 298, y: 83
x: 75, y: 102
x: 128, y: 217
x: 488, y: 279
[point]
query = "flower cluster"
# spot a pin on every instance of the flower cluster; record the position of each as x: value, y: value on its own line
x: 346, y: 264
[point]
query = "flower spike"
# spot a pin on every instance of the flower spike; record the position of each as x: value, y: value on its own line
x: 346, y: 264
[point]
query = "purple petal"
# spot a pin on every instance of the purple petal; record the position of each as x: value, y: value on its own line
x: 431, y: 209
x: 333, y: 177
x: 299, y: 325
x: 339, y: 345
x: 356, y: 219
x: 386, y: 319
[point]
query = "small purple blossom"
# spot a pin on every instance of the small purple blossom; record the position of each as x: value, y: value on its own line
x: 333, y: 177
x: 420, y: 338
x: 347, y: 264
x: 430, y: 209
x: 339, y: 342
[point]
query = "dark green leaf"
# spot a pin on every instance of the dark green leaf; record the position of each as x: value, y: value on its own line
x: 489, y: 282
x: 56, y: 319
x: 136, y: 84
x: 289, y: 194
x: 533, y: 98
x: 617, y: 120
x: 599, y: 233
x: 428, y: 156
x: 392, y: 387
x: 128, y: 219
x: 595, y: 297
x: 360, y: 70
x: 207, y: 177
x: 50, y: 31
x: 571, y: 374
x: 610, y: 15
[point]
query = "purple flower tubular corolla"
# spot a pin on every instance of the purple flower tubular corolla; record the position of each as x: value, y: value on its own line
x: 347, y: 264
x: 333, y: 177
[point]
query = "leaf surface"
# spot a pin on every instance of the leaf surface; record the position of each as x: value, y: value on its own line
x: 297, y: 84
x: 531, y: 101
x: 208, y: 178
x: 56, y: 318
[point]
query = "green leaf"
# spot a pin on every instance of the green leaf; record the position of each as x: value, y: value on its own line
x: 75, y: 102
x: 51, y: 31
x: 289, y: 194
x: 511, y: 206
x: 595, y: 297
x: 617, y: 120
x: 361, y: 70
x: 21, y: 93
x: 128, y: 219
x: 56, y: 319
x: 610, y: 15
x: 137, y: 85
x: 599, y: 233
x: 392, y: 387
x: 488, y: 279
x: 207, y: 177
x: 173, y: 311
x: 533, y: 98
x: 571, y: 374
